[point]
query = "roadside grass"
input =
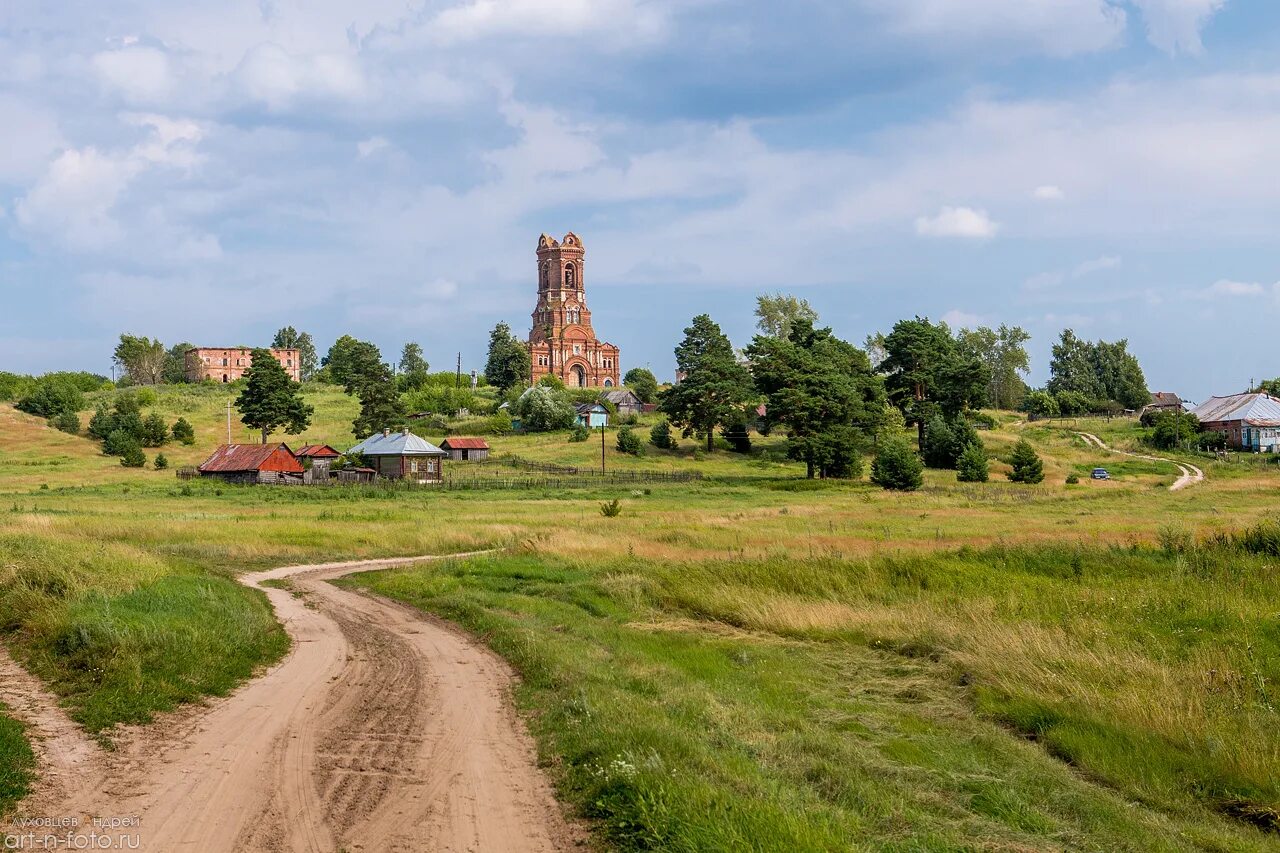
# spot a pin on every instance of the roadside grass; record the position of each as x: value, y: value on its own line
x: 824, y: 704
x: 17, y: 763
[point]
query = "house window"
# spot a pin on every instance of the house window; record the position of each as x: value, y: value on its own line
x: 432, y: 466
x: 413, y: 465
x: 288, y: 362
x: 225, y: 362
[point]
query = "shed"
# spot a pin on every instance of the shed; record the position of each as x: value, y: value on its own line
x: 624, y: 400
x: 592, y: 415
x: 1164, y: 401
x: 402, y: 456
x: 253, y: 463
x: 464, y: 449
x: 356, y: 475
x: 1249, y: 421
x: 317, y: 459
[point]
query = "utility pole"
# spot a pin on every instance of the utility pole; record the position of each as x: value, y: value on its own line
x: 228, y: 420
x: 602, y: 426
x: 458, y: 382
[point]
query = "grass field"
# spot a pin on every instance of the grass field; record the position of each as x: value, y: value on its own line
x: 17, y: 764
x: 749, y: 660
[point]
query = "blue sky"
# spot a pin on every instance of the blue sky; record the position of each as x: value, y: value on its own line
x: 210, y: 171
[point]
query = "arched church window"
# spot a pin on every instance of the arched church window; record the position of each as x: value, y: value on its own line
x: 569, y: 276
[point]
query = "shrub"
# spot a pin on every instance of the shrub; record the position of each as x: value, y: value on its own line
x: 1040, y: 404
x: 550, y: 380
x: 499, y: 423
x: 579, y: 433
x: 660, y: 435
x: 102, y: 423
x: 67, y: 421
x: 611, y: 509
x: 944, y: 441
x: 155, y: 432
x: 183, y: 432
x: 629, y: 442
x: 971, y: 467
x: 896, y: 466
x: 1172, y: 429
x: 1071, y: 403
x: 543, y: 409
x: 15, y: 386
x: 1027, y: 467
x: 119, y: 442
x: 145, y: 397
x: 982, y: 419
x: 52, y: 397
x: 736, y: 434
x: 161, y: 462
x: 133, y: 457
x: 1073, y: 478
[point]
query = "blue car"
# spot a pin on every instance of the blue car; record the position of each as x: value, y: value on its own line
x: 1100, y: 474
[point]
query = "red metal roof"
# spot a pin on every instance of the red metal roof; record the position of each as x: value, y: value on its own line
x: 464, y: 443
x: 253, y: 457
x: 317, y: 451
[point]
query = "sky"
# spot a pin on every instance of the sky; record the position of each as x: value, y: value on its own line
x: 212, y: 171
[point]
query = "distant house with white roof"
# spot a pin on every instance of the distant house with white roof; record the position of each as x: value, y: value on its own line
x: 1249, y: 421
x: 401, y: 455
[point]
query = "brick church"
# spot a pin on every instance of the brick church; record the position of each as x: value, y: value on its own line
x: 562, y: 342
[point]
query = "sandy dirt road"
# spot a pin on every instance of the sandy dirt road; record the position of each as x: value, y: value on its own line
x: 381, y: 730
x: 1188, y: 474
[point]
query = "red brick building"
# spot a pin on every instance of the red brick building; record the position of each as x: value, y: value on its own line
x: 562, y: 342
x: 228, y: 365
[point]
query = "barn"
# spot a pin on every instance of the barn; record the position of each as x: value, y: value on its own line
x: 402, y: 456
x: 253, y: 463
x: 317, y: 459
x: 465, y: 449
x: 624, y: 400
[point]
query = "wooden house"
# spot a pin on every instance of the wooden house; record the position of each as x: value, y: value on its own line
x: 317, y: 460
x: 624, y: 400
x: 402, y: 456
x: 253, y: 463
x: 463, y: 449
x: 592, y: 415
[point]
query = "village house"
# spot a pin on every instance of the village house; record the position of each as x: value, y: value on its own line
x: 253, y: 463
x: 591, y: 415
x: 317, y: 459
x: 402, y: 456
x: 624, y: 400
x: 1164, y: 401
x: 1249, y: 421
x: 464, y: 449
x: 228, y: 365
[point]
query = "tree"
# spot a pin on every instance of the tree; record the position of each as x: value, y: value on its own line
x: 51, y: 397
x: 939, y: 450
x: 823, y: 391
x: 972, y: 466
x: 161, y: 462
x: 542, y: 409
x: 413, y: 367
x: 926, y: 372
x: 715, y: 385
x: 1072, y: 403
x: 67, y: 421
x: 175, y: 364
x: 271, y: 399
x: 642, y: 383
x: 336, y: 362
x: 629, y: 442
x: 874, y: 346
x: 735, y: 432
x: 1172, y: 430
x: 896, y: 466
x: 1099, y: 371
x: 155, y: 432
x: 183, y: 433
x: 1040, y: 404
x: 660, y: 435
x: 508, y: 363
x: 776, y: 313
x: 142, y: 359
x: 1027, y: 467
x: 118, y: 442
x: 133, y: 457
x: 1004, y: 353
x: 102, y: 423
x: 370, y: 379
x: 291, y: 338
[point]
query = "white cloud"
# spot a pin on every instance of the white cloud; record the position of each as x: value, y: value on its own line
x: 272, y: 75
x: 31, y: 138
x: 1048, y: 192
x: 141, y: 74
x: 476, y: 19
x: 1055, y: 27
x: 1226, y: 287
x: 957, y: 319
x: 957, y: 222
x: 1106, y: 262
x: 371, y: 146
x: 1174, y: 26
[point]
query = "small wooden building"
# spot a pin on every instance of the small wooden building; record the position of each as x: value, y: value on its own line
x: 402, y: 456
x: 356, y: 475
x: 253, y: 463
x: 592, y: 415
x: 317, y: 459
x: 624, y: 400
x: 465, y: 449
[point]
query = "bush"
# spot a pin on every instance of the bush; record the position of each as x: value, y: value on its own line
x: 155, y: 432
x: 1172, y: 429
x: 499, y: 423
x: 944, y: 441
x: 1040, y: 404
x: 1072, y: 403
x: 896, y: 466
x: 183, y: 432
x: 579, y: 433
x: 161, y: 462
x: 660, y: 435
x: 971, y: 467
x: 629, y: 442
x: 543, y: 409
x: 1073, y: 478
x: 145, y: 397
x: 736, y: 434
x: 133, y: 457
x: 119, y: 442
x: 1027, y: 467
x: 15, y: 386
x: 611, y: 509
x: 551, y: 381
x: 52, y: 397
x: 102, y: 423
x: 67, y: 422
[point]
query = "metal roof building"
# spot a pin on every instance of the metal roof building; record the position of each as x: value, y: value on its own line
x: 402, y: 455
x: 1250, y: 421
x: 253, y: 463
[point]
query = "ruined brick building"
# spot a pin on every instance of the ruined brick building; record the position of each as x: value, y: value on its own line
x: 562, y: 342
x: 228, y: 365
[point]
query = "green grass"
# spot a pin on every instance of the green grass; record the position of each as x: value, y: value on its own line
x: 17, y: 763
x: 822, y: 704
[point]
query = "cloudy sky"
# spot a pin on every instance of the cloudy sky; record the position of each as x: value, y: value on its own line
x: 210, y: 171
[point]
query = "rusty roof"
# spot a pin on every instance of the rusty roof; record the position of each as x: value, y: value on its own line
x: 317, y: 451
x: 246, y: 457
x: 464, y: 443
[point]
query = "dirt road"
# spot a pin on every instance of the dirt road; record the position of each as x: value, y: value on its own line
x: 1188, y: 474
x: 381, y: 731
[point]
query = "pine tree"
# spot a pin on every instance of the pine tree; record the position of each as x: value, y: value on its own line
x: 715, y: 386
x: 660, y: 435
x: 629, y: 442
x: 1027, y: 467
x: 155, y: 432
x: 271, y: 399
x: 161, y: 462
x: 183, y: 432
x: 972, y: 466
x: 896, y: 466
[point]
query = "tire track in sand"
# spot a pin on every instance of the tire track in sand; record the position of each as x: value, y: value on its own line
x: 382, y: 730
